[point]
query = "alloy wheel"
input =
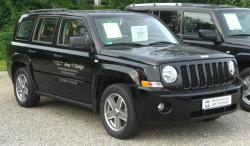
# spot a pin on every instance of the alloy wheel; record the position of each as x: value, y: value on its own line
x: 22, y: 87
x: 115, y: 112
x: 246, y: 92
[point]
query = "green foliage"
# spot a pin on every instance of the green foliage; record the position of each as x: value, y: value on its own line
x: 2, y: 65
x: 102, y: 7
x: 5, y: 36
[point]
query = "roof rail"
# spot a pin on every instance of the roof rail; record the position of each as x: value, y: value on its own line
x: 69, y: 10
x: 157, y: 4
x: 103, y: 10
x: 46, y: 10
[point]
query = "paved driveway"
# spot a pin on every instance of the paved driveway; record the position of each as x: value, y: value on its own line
x: 56, y: 123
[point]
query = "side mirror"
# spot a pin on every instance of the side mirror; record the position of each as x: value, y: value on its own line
x: 209, y: 34
x: 79, y: 42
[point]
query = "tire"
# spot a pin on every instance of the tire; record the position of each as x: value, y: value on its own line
x: 132, y: 126
x: 245, y: 100
x: 24, y: 90
x: 211, y: 119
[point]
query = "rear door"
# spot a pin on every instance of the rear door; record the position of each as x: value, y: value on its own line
x: 41, y: 53
x: 58, y: 69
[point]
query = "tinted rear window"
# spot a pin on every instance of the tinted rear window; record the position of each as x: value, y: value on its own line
x: 45, y: 30
x: 25, y: 29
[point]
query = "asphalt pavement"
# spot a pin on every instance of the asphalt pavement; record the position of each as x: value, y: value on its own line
x: 55, y: 123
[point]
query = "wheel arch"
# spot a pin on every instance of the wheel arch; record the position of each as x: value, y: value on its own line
x: 18, y: 62
x: 243, y: 60
x: 111, y: 74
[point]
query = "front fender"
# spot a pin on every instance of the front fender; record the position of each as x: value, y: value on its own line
x: 132, y: 73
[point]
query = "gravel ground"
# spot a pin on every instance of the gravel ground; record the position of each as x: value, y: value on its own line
x: 56, y: 123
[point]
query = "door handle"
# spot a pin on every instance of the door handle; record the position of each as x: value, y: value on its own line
x: 31, y: 51
x: 57, y: 56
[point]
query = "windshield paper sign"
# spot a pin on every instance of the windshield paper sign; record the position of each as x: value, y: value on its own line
x: 139, y: 33
x: 112, y: 30
x: 232, y: 21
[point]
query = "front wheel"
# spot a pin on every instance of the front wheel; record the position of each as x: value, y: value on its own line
x: 245, y: 101
x: 117, y: 111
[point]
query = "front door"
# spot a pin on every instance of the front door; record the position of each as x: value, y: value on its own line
x: 74, y: 65
x: 192, y: 23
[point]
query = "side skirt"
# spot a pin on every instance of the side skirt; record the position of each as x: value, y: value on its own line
x: 89, y: 106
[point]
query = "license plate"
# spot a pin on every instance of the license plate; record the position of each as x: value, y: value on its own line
x: 216, y: 102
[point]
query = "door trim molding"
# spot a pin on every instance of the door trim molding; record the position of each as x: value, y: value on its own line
x: 60, y: 50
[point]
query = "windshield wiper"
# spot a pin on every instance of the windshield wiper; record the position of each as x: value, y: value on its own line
x: 160, y: 43
x: 242, y: 34
x: 126, y: 44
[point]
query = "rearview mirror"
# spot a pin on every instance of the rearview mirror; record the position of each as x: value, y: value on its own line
x: 210, y: 34
x: 79, y: 42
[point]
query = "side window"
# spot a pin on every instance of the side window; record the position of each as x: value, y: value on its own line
x: 45, y: 30
x: 25, y: 29
x: 170, y: 18
x: 71, y: 28
x: 194, y: 21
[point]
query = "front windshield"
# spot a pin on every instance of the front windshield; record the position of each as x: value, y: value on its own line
x: 132, y: 29
x: 236, y: 22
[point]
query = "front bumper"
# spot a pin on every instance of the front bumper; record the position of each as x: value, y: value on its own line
x: 185, y: 105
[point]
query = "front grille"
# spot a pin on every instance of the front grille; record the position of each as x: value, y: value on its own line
x: 204, y: 75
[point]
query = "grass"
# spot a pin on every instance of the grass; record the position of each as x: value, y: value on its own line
x: 2, y: 65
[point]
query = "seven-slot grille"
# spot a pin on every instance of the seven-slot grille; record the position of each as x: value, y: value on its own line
x: 204, y: 74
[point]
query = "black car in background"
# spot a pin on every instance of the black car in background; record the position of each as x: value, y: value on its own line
x: 127, y: 66
x: 218, y: 27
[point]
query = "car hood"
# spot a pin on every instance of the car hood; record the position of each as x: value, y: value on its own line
x: 158, y: 55
x: 243, y: 41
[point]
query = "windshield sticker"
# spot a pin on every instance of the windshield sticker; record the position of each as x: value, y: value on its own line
x: 112, y: 30
x: 232, y: 21
x: 139, y: 33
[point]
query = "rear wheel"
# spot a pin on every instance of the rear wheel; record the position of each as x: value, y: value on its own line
x: 23, y: 89
x: 118, y: 112
x: 245, y: 101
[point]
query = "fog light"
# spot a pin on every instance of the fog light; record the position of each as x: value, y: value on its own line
x: 164, y: 108
x: 161, y: 107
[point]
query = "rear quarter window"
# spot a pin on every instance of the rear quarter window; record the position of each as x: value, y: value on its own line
x: 170, y: 18
x: 25, y: 29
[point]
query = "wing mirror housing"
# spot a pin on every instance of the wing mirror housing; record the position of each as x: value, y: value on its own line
x: 210, y: 34
x: 79, y: 42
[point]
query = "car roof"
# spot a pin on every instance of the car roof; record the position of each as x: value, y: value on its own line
x: 151, y: 6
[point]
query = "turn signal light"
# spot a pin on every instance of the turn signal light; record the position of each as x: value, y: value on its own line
x: 151, y: 84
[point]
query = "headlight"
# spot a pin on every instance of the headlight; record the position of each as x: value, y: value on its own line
x: 169, y: 74
x: 231, y: 68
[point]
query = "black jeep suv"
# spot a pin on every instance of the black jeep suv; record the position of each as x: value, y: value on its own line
x: 127, y: 66
x: 223, y: 28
